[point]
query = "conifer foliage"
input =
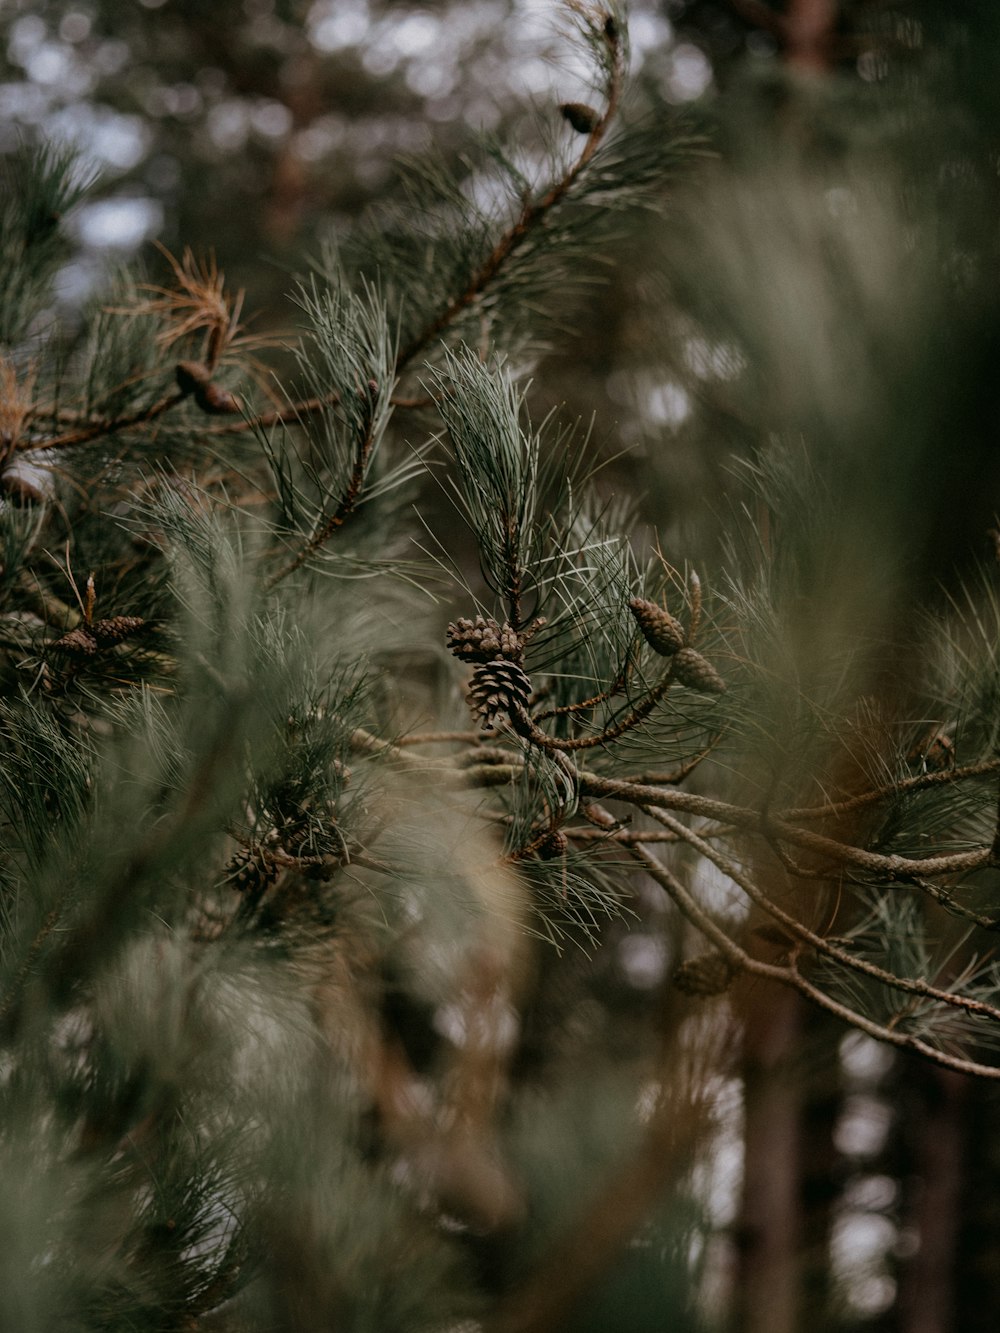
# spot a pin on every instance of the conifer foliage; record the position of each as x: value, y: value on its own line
x: 269, y: 951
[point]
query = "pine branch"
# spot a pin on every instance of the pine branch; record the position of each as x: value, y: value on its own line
x: 524, y: 725
x: 797, y: 930
x: 348, y: 499
x: 532, y: 215
x: 838, y: 853
x: 791, y: 977
x: 96, y: 430
x: 294, y: 413
x: 892, y: 791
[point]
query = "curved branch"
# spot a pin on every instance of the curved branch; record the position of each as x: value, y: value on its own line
x: 913, y: 986
x: 525, y: 726
x: 918, y: 783
x: 892, y: 867
x: 790, y: 976
x: 293, y: 412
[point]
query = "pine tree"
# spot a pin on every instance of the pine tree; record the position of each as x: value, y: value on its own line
x: 278, y: 1048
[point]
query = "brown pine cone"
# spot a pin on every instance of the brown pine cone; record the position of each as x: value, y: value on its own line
x: 484, y: 640
x: 660, y: 629
x: 251, y: 870
x: 115, y: 629
x: 79, y: 642
x: 691, y: 669
x: 498, y: 687
x: 553, y: 845
x: 707, y: 974
x: 195, y: 381
x: 582, y: 117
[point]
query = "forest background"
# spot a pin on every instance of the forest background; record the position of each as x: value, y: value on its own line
x: 831, y: 1178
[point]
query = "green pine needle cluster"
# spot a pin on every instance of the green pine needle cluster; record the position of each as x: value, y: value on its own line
x: 274, y: 903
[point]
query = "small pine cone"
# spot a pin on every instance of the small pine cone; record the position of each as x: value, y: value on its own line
x: 555, y: 844
x: 484, y: 640
x: 474, y: 640
x: 115, y: 629
x: 707, y: 974
x: 691, y: 669
x: 660, y: 629
x: 217, y: 401
x: 79, y: 642
x: 192, y: 376
x: 498, y: 687
x: 582, y: 117
x: 252, y: 870
x: 195, y: 380
x: 511, y: 644
x: 934, y: 752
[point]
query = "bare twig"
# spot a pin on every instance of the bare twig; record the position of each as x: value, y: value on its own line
x: 95, y: 430
x: 524, y: 725
x: 440, y: 738
x: 584, y: 705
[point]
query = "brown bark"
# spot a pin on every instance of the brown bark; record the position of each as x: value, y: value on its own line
x: 767, y: 1298
x: 977, y: 1260
x: 808, y: 32
x: 926, y: 1302
x: 821, y: 1172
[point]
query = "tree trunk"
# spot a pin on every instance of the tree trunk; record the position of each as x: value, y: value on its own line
x: 926, y: 1302
x: 977, y: 1260
x: 767, y: 1298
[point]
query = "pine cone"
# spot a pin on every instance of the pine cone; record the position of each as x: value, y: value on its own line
x: 707, y: 974
x: 582, y: 117
x: 691, y: 669
x: 935, y: 752
x: 79, y: 642
x: 484, y: 640
x: 115, y: 629
x: 195, y: 380
x: 498, y: 687
x: 554, y: 844
x: 659, y: 628
x: 251, y: 870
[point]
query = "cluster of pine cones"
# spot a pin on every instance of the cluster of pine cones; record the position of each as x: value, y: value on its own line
x: 92, y: 635
x: 499, y: 682
x: 665, y: 635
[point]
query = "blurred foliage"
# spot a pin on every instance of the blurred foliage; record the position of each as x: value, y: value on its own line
x: 308, y: 1019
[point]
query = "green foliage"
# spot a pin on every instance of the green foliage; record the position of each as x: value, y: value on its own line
x: 40, y: 186
x: 280, y: 926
